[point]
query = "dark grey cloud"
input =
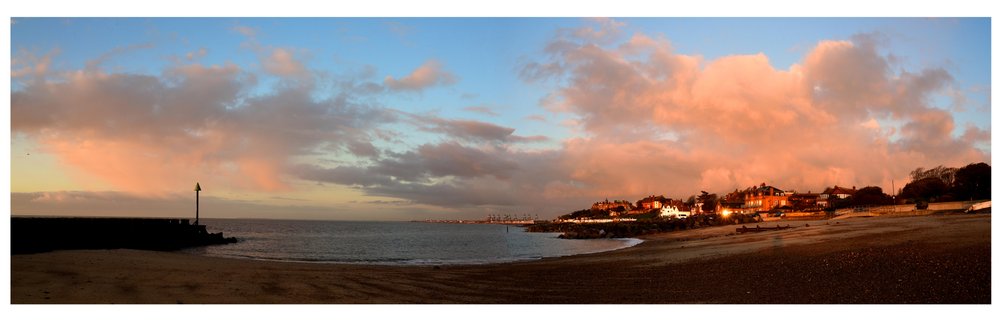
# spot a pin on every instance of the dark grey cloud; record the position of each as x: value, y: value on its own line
x: 385, y: 202
x: 535, y: 71
x: 344, y: 175
x: 453, y: 159
x: 422, y: 165
x: 451, y: 174
x: 481, y: 109
x: 471, y: 130
x: 449, y: 194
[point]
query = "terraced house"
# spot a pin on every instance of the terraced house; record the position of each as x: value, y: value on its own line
x: 754, y: 199
x: 764, y: 198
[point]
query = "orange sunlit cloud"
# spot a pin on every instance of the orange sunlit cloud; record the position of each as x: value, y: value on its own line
x: 630, y: 116
x: 145, y: 135
x: 736, y: 121
x: 429, y: 74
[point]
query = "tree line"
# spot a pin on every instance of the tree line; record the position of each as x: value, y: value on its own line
x: 971, y: 182
x: 938, y: 184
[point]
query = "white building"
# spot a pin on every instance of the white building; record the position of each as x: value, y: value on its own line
x: 673, y: 211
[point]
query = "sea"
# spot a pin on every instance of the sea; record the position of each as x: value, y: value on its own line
x: 392, y: 243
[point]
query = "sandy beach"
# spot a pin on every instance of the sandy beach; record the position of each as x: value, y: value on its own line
x: 919, y: 259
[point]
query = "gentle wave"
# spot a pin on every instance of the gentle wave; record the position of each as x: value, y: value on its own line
x: 393, y: 243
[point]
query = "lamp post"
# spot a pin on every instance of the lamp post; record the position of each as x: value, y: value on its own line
x: 893, y: 191
x: 197, y: 191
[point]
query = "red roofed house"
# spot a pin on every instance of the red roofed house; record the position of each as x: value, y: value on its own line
x: 675, y: 208
x: 652, y: 202
x: 614, y: 208
x: 837, y: 192
x: 764, y: 198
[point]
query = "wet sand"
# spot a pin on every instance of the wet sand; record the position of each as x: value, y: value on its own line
x: 920, y: 259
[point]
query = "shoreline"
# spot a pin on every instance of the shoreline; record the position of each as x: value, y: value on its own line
x: 872, y: 260
x: 398, y: 244
x: 629, y: 242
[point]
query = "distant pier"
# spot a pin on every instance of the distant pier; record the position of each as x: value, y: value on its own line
x: 43, y: 234
x: 508, y: 219
x: 509, y: 222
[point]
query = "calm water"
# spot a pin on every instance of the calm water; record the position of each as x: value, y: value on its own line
x: 392, y: 243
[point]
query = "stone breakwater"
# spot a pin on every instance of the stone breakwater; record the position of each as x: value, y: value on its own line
x: 43, y: 234
x: 637, y: 228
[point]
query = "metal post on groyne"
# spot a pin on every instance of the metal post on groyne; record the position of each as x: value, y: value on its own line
x: 197, y: 191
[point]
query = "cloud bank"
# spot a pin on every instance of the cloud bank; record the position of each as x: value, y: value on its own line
x: 646, y: 119
x: 147, y: 134
x: 659, y: 121
x: 431, y: 73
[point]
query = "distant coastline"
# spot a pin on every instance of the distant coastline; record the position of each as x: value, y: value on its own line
x: 511, y: 222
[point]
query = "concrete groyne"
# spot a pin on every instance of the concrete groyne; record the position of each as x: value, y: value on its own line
x: 43, y: 234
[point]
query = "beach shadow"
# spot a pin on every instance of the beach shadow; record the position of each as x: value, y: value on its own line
x: 128, y: 288
x: 273, y: 288
x: 778, y: 244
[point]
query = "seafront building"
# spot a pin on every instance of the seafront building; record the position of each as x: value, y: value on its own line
x: 652, y: 202
x: 624, y: 211
x: 768, y: 198
x: 614, y: 208
x: 804, y: 201
x: 751, y: 200
x: 764, y: 198
x: 676, y: 211
x: 835, y: 192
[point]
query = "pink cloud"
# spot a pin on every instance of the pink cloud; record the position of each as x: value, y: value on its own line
x: 195, y: 55
x: 146, y: 134
x: 399, y: 29
x: 647, y: 120
x: 245, y: 31
x: 975, y: 135
x: 26, y: 64
x: 108, y: 203
x: 282, y: 62
x: 602, y: 29
x: 93, y: 64
x: 736, y: 120
x: 429, y: 74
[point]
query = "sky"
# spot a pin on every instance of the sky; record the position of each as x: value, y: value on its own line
x: 421, y: 118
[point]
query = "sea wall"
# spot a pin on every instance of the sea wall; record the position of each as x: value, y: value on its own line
x: 635, y: 228
x: 910, y: 209
x: 42, y: 234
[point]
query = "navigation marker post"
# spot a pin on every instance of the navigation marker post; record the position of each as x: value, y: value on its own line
x: 197, y: 192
